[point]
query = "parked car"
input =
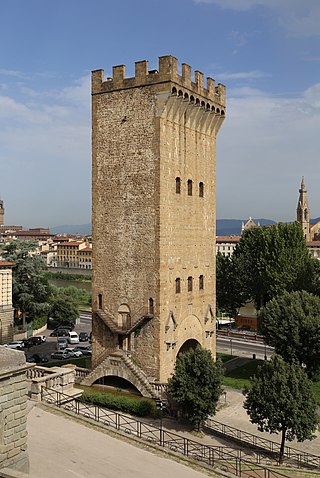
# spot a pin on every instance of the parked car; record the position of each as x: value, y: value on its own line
x: 15, y: 344
x: 27, y: 343
x: 38, y: 358
x: 43, y: 338
x: 60, y: 332
x: 73, y: 338
x: 86, y: 351
x: 73, y: 352
x: 61, y: 343
x: 60, y: 355
x: 54, y: 323
x: 83, y: 337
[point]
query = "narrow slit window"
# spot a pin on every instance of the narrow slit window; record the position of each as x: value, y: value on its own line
x: 189, y: 284
x: 201, y: 189
x: 178, y: 185
x: 100, y: 301
x: 178, y: 285
x: 189, y: 187
x: 201, y: 282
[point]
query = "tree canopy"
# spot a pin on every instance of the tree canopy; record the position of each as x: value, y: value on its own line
x: 230, y: 294
x: 195, y: 385
x: 281, y: 401
x: 30, y: 290
x: 268, y: 261
x: 291, y: 324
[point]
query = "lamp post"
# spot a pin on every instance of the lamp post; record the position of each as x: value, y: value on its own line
x: 231, y: 346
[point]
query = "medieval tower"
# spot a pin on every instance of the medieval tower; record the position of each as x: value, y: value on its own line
x: 1, y: 213
x: 154, y: 186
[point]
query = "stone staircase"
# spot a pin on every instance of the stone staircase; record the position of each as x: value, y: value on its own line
x: 120, y: 364
x: 110, y: 321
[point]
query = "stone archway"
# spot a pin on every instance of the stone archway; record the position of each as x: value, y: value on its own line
x: 118, y: 382
x: 189, y: 344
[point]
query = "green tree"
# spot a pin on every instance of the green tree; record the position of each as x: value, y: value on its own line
x: 64, y: 308
x: 281, y: 401
x: 195, y: 385
x: 30, y: 290
x: 230, y: 293
x: 291, y: 324
x: 271, y: 260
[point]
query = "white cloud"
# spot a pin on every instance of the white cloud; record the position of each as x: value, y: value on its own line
x: 264, y: 147
x: 243, y: 75
x: 297, y: 17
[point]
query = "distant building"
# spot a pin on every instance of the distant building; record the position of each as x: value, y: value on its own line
x: 1, y: 213
x: 6, y: 309
x: 73, y: 255
x: 226, y: 245
x: 311, y: 231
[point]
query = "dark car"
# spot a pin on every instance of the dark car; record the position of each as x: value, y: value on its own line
x: 86, y: 351
x: 39, y: 358
x: 60, y: 332
x: 54, y: 324
x: 83, y: 337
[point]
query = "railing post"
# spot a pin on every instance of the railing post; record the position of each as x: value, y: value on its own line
x: 185, y: 446
x: 139, y: 429
x: 97, y: 414
x: 117, y: 421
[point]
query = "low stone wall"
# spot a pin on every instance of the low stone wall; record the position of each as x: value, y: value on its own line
x: 13, y: 410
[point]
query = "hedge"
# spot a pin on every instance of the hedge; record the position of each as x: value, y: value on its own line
x: 139, y: 407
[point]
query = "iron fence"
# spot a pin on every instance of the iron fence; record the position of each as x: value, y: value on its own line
x: 225, y: 458
x: 292, y: 456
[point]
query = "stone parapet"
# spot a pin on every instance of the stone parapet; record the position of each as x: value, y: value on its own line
x: 13, y: 410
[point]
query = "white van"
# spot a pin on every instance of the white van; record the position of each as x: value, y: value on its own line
x: 73, y: 338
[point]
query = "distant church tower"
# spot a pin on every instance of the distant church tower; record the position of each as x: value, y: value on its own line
x: 154, y: 187
x: 1, y: 213
x: 303, y: 211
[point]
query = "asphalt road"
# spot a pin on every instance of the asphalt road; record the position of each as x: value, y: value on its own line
x: 242, y: 347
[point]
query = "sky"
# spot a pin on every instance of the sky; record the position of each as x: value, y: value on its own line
x: 266, y: 52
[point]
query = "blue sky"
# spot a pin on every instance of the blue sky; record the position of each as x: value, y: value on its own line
x: 267, y: 53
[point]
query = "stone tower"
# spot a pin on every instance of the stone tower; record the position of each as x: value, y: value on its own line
x: 303, y: 211
x: 1, y: 213
x: 154, y: 186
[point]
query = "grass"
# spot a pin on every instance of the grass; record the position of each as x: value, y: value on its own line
x: 224, y: 357
x: 240, y: 377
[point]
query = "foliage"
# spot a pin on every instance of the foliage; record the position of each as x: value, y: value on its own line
x: 30, y: 290
x: 64, y: 308
x: 58, y: 275
x: 291, y: 324
x: 83, y: 362
x: 239, y: 377
x: 195, y: 386
x: 39, y: 322
x: 138, y: 407
x: 224, y: 357
x: 230, y: 293
x: 281, y: 401
x: 271, y: 260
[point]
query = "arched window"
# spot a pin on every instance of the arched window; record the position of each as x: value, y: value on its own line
x: 189, y: 187
x: 201, y: 282
x: 178, y: 185
x: 99, y: 301
x: 178, y: 285
x: 189, y: 284
x: 201, y: 189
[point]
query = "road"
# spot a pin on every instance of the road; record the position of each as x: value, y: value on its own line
x: 246, y: 348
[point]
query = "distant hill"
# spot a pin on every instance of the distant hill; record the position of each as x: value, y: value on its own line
x: 82, y: 229
x: 232, y: 227
x: 225, y: 227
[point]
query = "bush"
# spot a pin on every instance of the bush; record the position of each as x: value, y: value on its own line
x: 139, y: 407
x: 39, y: 322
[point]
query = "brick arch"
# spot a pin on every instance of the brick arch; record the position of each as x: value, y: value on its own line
x: 106, y: 369
x: 190, y: 328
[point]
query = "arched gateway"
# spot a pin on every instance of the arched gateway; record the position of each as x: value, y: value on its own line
x: 153, y: 213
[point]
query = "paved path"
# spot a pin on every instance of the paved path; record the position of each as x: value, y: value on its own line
x: 64, y: 448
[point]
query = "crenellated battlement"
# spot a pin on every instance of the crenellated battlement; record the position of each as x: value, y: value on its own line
x: 167, y: 73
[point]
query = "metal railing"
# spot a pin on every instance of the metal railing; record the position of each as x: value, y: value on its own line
x: 292, y: 456
x: 224, y: 458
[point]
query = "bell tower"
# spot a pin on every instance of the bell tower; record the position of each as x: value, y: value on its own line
x: 303, y: 211
x: 1, y: 213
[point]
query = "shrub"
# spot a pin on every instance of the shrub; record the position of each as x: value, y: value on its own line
x: 140, y: 407
x: 39, y: 322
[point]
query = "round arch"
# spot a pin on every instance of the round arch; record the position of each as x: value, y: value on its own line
x: 189, y: 344
x: 117, y: 382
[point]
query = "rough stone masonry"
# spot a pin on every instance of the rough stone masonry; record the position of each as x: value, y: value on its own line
x: 153, y: 213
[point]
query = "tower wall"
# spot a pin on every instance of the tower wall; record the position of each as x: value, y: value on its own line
x: 148, y: 131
